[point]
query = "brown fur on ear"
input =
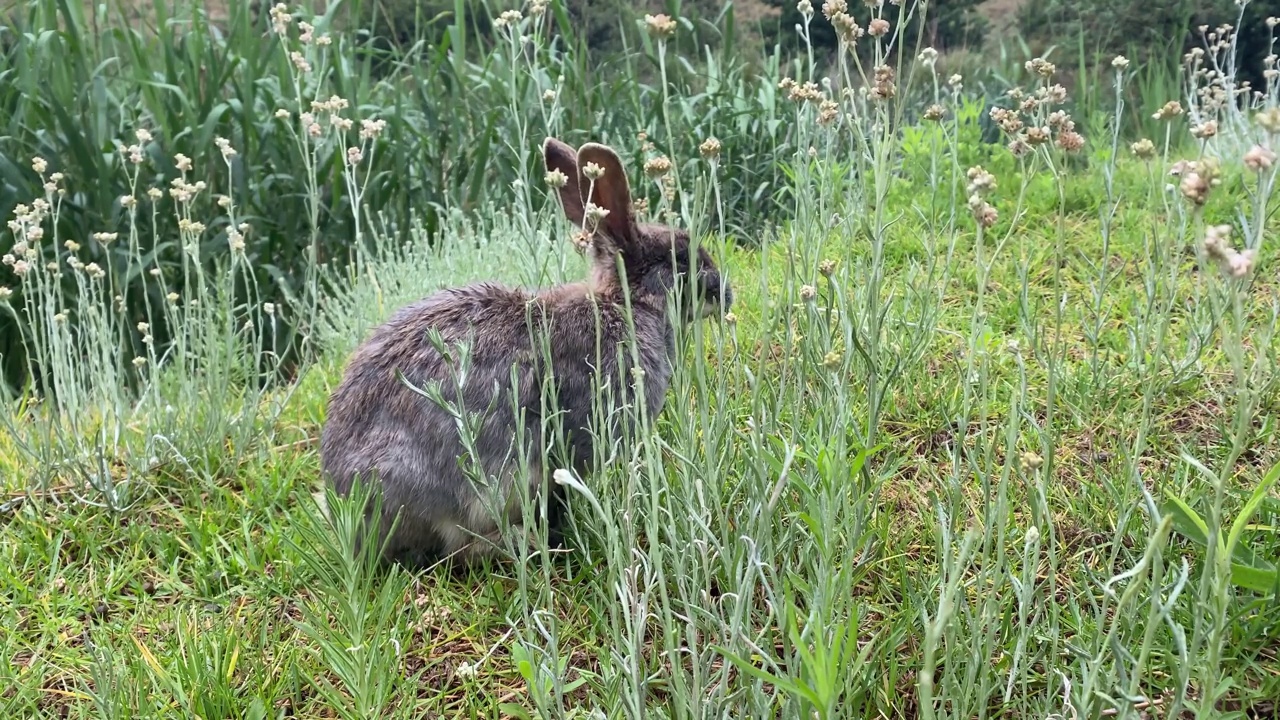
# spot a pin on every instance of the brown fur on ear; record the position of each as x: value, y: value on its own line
x: 559, y: 156
x: 610, y: 192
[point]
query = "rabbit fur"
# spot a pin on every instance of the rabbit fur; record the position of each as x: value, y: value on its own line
x: 379, y: 431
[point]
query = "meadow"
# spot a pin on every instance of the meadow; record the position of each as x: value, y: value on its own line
x: 991, y: 429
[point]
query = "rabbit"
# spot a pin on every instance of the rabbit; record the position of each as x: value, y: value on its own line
x: 380, y: 431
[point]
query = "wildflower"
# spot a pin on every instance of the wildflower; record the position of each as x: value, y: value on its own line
x: 806, y: 8
x: 1216, y: 243
x: 555, y: 179
x: 981, y: 182
x: 139, y: 362
x: 1241, y: 264
x: 1259, y: 158
x: 549, y: 96
x: 1030, y: 461
x: 1144, y: 149
x: 1071, y: 141
x: 827, y: 268
x: 537, y: 8
x: 370, y: 129
x: 657, y: 167
x: 354, y: 156
x: 282, y: 114
x: 71, y: 245
x: 1120, y: 62
x: 846, y: 28
x: 1205, y: 130
x: 955, y: 81
x: 1168, y: 111
x: 834, y: 7
x: 831, y: 360
x: 928, y: 57
x: 5, y: 293
x: 884, y: 87
x: 154, y: 194
x: 660, y: 26
x: 172, y: 298
x: 592, y: 171
x: 1041, y: 67
x: 280, y: 19
x: 828, y: 111
x: 1037, y: 136
x: 224, y: 146
x: 934, y: 112
x: 596, y: 213
x: 878, y: 27
x: 1269, y: 120
x: 307, y: 32
x: 94, y: 271
x: 269, y: 308
x: 155, y: 272
x: 300, y: 62
x: 510, y: 18
x: 710, y: 148
x: 1033, y: 535
x: 39, y: 165
x: 808, y: 293
x: 143, y: 135
x: 20, y: 267
x: 144, y: 328
x: 730, y: 318
x: 182, y: 162
x: 61, y: 318
x: 1194, y: 188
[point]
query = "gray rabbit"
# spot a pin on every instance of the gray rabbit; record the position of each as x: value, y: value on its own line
x: 379, y: 430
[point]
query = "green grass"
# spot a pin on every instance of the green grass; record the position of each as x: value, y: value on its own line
x: 925, y: 470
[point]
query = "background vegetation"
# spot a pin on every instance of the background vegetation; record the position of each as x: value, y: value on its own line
x: 966, y: 447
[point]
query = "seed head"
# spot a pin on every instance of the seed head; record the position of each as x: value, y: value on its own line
x: 878, y: 27
x: 827, y: 268
x: 710, y: 148
x: 808, y: 293
x: 934, y: 112
x: 1144, y: 149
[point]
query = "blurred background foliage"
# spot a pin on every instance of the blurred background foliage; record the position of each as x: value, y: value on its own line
x: 76, y: 78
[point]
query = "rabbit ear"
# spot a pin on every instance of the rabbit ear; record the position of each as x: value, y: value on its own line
x: 559, y: 156
x: 610, y: 191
